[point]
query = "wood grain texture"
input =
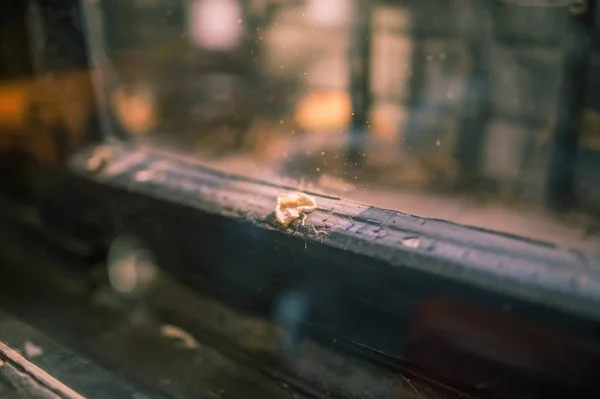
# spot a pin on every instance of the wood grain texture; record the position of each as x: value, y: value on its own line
x: 54, y: 371
x: 360, y: 273
x: 538, y: 272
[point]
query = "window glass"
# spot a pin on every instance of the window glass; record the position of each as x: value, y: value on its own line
x: 480, y: 112
x: 482, y: 115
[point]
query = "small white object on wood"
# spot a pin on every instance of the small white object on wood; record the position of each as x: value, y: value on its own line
x: 291, y: 207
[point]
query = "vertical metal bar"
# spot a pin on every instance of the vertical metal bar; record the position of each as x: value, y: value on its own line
x: 360, y: 80
x: 477, y: 96
x: 98, y: 62
x: 561, y: 180
x: 416, y: 77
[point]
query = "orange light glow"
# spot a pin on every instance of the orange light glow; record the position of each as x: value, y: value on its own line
x: 13, y: 102
x: 325, y: 111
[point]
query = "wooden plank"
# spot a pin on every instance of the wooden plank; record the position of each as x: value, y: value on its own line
x: 42, y: 379
x: 362, y: 273
x: 537, y: 272
x: 37, y: 367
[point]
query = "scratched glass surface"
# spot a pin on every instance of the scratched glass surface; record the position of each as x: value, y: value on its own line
x: 472, y: 116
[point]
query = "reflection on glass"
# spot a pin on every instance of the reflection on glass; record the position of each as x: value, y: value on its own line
x: 215, y: 24
x: 481, y: 112
x: 460, y: 117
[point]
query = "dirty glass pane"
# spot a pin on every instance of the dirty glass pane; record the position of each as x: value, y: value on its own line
x: 484, y: 115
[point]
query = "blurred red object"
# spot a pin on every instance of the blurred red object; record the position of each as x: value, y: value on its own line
x: 502, y: 355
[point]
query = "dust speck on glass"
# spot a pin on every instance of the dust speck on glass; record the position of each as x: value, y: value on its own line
x: 484, y: 113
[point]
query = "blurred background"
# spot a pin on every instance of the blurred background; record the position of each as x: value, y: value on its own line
x: 481, y: 112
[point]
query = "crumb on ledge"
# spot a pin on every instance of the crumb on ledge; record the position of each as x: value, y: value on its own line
x: 291, y: 207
